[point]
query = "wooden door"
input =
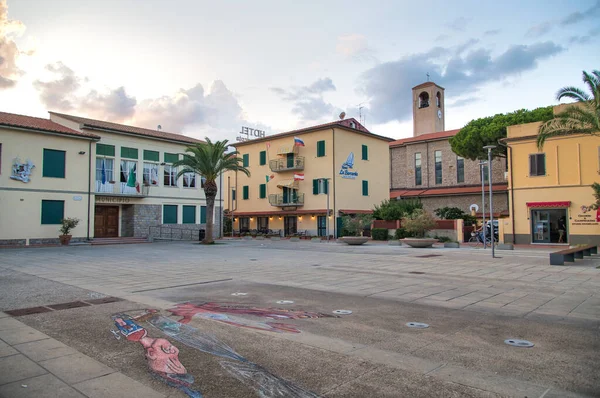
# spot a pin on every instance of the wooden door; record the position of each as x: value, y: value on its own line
x: 106, y: 221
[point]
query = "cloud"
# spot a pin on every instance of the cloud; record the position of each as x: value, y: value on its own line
x: 9, y: 52
x: 465, y: 101
x: 442, y: 37
x: 585, y: 39
x: 571, y: 19
x: 355, y: 47
x: 307, y: 101
x: 388, y: 85
x: 492, y: 32
x: 540, y: 29
x: 579, y: 16
x: 459, y: 24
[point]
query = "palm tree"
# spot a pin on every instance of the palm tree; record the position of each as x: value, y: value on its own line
x: 209, y: 160
x: 581, y: 118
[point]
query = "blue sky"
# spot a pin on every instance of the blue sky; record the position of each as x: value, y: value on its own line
x: 205, y: 68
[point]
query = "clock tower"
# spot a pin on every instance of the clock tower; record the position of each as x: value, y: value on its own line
x: 428, y: 109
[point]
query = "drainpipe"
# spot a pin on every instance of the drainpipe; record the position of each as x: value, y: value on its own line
x: 89, y: 188
x: 335, y: 232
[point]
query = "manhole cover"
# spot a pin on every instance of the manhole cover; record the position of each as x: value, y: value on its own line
x: 66, y: 306
x: 342, y: 312
x: 417, y: 325
x: 28, y: 311
x: 416, y: 272
x: 429, y: 255
x: 239, y: 294
x: 285, y: 302
x: 104, y: 300
x: 519, y: 343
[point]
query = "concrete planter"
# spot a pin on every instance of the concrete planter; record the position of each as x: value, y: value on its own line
x: 505, y: 246
x: 275, y: 238
x: 317, y: 240
x: 452, y: 245
x: 354, y: 240
x: 394, y: 243
x: 247, y: 238
x: 260, y: 238
x: 419, y: 243
x: 295, y: 239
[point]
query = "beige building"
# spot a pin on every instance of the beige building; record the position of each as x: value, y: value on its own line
x: 117, y: 179
x: 424, y: 166
x: 292, y: 173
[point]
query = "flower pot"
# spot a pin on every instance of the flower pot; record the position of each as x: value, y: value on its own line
x: 354, y: 240
x: 65, y: 239
x: 419, y: 242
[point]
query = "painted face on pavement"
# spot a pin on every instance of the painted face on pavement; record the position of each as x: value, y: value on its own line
x: 163, y: 357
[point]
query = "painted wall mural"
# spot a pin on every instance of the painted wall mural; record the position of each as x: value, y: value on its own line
x: 347, y: 166
x: 21, y: 171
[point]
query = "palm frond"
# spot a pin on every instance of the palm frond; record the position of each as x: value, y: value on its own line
x: 573, y: 93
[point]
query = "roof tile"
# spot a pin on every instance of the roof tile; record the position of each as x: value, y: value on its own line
x: 444, y: 191
x: 36, y: 123
x: 425, y: 137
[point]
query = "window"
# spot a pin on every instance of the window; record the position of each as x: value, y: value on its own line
x: 320, y: 185
x: 352, y: 125
x: 169, y: 214
x: 365, y: 188
x: 233, y: 194
x: 53, y: 211
x: 150, y: 174
x: 128, y: 172
x: 537, y: 164
x: 189, y: 215
x: 485, y: 173
x: 189, y: 180
x: 202, y: 214
x: 263, y: 191
x: 423, y: 100
x: 171, y: 157
x: 245, y: 193
x: 320, y: 149
x: 202, y: 181
x: 244, y: 224
x: 460, y: 169
x: 438, y: 99
x: 438, y: 167
x: 418, y: 175
x: 365, y: 152
x: 262, y: 224
x: 54, y: 163
x: 108, y: 166
x: 152, y: 156
x: 105, y: 150
x: 129, y: 153
x: 246, y: 160
x: 170, y: 176
x: 263, y: 158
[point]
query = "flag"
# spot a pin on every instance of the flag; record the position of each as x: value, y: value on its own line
x: 298, y: 142
x: 269, y: 178
x: 103, y: 172
x: 268, y: 145
x: 298, y: 177
x: 131, y: 178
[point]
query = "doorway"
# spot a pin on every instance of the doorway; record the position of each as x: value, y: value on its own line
x: 549, y: 226
x: 106, y: 221
x: 290, y: 225
x: 290, y: 161
x: 322, y: 225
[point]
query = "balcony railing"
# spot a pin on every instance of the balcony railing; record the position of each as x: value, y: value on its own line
x: 282, y: 164
x: 121, y: 189
x: 281, y: 200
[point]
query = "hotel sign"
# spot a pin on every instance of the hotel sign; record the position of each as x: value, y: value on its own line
x: 249, y: 133
x: 347, y: 166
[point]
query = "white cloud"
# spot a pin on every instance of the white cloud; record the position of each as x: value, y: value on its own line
x: 355, y: 47
x: 9, y: 52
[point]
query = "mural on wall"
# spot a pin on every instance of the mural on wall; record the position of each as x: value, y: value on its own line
x: 222, y: 313
x: 347, y: 166
x: 21, y: 171
x: 164, y: 364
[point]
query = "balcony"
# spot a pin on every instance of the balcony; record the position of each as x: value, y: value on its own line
x: 281, y: 200
x: 285, y: 164
x: 121, y: 189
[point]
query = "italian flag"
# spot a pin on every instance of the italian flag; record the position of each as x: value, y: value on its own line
x: 269, y: 178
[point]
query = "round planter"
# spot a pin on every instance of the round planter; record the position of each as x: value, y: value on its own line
x: 419, y: 243
x: 275, y: 238
x: 260, y: 238
x: 295, y: 239
x: 354, y: 240
x: 247, y: 238
x: 64, y: 239
x: 318, y: 240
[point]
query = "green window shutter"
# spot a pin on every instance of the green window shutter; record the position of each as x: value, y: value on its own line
x: 263, y: 191
x: 320, y: 148
x: 365, y: 152
x: 202, y: 214
x: 53, y: 211
x: 189, y: 215
x: 129, y: 153
x: 169, y: 214
x: 245, y: 194
x: 153, y: 156
x: 325, y: 186
x: 105, y: 150
x: 365, y: 188
x: 246, y: 159
x: 315, y: 187
x: 54, y: 163
x: 263, y: 158
x: 171, y: 157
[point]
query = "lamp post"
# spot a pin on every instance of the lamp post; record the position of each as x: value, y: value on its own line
x: 481, y: 164
x: 489, y: 150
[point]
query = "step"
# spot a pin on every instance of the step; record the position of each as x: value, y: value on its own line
x: 118, y: 241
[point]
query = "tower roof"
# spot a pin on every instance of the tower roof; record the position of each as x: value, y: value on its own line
x: 427, y: 84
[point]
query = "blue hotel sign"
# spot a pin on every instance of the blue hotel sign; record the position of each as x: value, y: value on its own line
x: 345, y: 171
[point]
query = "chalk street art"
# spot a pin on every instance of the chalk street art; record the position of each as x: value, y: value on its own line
x: 223, y: 313
x: 164, y: 364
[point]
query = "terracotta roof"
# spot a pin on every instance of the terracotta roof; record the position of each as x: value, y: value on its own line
x: 427, y: 84
x: 345, y: 124
x: 444, y: 191
x: 356, y: 211
x: 425, y: 137
x: 39, y: 124
x: 122, y: 128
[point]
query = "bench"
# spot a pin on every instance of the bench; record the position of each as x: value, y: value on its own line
x: 559, y: 258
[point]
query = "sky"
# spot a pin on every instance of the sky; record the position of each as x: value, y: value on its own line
x: 207, y: 68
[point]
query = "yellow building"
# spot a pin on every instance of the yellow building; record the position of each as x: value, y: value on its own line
x: 550, y: 189
x: 292, y: 173
x: 117, y: 179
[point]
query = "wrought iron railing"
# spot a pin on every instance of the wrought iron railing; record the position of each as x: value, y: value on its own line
x: 282, y: 164
x: 286, y: 200
x: 121, y: 188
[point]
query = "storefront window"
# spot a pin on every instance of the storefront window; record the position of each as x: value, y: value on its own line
x: 549, y: 226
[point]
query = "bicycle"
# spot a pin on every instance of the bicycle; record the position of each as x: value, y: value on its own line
x: 476, y: 240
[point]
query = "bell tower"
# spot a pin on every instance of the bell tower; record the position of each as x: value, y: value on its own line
x: 429, y: 112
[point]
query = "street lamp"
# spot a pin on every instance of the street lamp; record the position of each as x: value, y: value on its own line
x: 489, y: 151
x: 481, y: 164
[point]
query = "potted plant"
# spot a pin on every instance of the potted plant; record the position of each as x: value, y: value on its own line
x: 353, y: 227
x: 67, y: 225
x: 418, y: 224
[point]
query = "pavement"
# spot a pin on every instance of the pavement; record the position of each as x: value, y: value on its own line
x: 471, y: 302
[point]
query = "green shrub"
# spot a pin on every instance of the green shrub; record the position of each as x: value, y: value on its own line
x: 355, y: 224
x: 401, y: 234
x: 379, y: 233
x: 443, y: 239
x: 391, y: 210
x: 419, y: 223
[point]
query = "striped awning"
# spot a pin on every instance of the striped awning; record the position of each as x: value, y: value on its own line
x: 285, y: 149
x: 549, y: 204
x: 288, y: 184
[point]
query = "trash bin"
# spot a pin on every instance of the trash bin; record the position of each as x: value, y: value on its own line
x: 201, y: 234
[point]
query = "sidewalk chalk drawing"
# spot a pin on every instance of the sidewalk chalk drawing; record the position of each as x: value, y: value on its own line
x: 164, y: 364
x: 226, y: 313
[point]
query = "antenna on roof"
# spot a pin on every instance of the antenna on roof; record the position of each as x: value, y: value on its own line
x: 159, y: 127
x: 342, y: 115
x: 360, y: 115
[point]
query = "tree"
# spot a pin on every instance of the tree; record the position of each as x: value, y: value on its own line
x: 391, y: 210
x: 419, y: 223
x: 209, y: 160
x: 581, y: 118
x: 356, y: 224
x: 476, y: 134
x: 449, y: 213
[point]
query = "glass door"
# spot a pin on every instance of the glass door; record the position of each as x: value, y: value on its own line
x: 290, y: 225
x: 540, y: 226
x: 322, y: 225
x: 290, y: 160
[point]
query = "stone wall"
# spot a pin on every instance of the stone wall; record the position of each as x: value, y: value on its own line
x: 127, y: 220
x: 144, y: 217
x: 463, y: 202
x: 176, y: 232
x: 217, y: 223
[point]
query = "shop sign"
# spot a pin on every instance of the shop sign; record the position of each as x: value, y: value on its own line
x: 345, y: 171
x: 111, y: 199
x: 586, y: 217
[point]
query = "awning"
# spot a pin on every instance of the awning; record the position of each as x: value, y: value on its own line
x: 286, y: 149
x: 288, y: 184
x: 549, y: 204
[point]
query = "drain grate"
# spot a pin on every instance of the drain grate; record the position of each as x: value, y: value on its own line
x: 417, y: 325
x: 66, y: 306
x: 342, y: 312
x: 28, y: 311
x: 519, y: 343
x: 104, y: 300
x: 429, y: 255
x: 416, y: 272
